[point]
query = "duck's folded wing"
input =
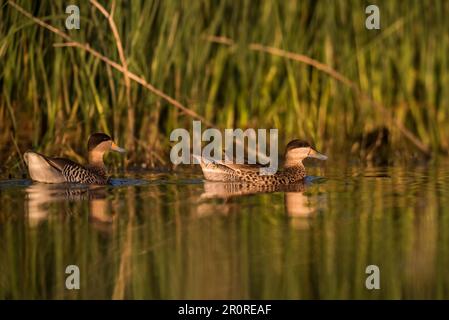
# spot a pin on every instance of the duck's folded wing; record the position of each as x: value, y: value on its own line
x: 205, y: 161
x: 241, y: 167
x: 60, y: 163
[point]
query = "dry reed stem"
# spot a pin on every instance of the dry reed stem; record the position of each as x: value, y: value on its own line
x: 71, y: 43
x: 121, y: 52
x: 334, y: 74
x: 84, y: 46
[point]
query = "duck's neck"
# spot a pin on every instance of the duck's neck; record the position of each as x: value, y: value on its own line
x: 292, y: 162
x: 96, y: 164
x: 294, y: 169
x: 96, y: 159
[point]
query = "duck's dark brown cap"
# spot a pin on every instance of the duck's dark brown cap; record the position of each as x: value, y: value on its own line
x: 96, y: 138
x: 297, y: 144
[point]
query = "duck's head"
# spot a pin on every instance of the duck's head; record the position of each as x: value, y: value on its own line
x: 99, y: 144
x: 297, y: 150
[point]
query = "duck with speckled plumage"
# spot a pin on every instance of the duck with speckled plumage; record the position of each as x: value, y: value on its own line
x: 59, y: 170
x: 292, y: 172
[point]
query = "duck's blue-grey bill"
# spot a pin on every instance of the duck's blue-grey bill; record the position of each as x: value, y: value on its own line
x: 315, y: 154
x: 115, y: 147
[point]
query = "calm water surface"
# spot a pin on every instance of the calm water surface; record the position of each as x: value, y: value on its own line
x: 173, y: 236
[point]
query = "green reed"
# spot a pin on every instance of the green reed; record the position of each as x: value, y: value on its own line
x: 52, y: 98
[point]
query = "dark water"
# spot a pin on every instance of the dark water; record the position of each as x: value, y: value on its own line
x: 170, y: 236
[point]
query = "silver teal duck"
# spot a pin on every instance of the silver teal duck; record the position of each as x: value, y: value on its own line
x: 293, y: 170
x: 59, y: 170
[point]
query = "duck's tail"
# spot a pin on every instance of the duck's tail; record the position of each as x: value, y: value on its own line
x: 203, y: 162
x: 40, y: 169
x: 213, y: 170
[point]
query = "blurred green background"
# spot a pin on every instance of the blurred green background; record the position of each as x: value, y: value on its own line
x: 52, y: 98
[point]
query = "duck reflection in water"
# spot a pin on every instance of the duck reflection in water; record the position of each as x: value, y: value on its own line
x: 41, y: 196
x: 297, y: 205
